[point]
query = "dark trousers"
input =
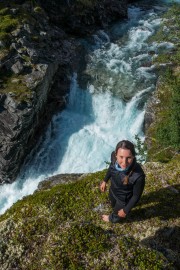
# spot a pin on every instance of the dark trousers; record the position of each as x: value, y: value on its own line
x: 116, y: 205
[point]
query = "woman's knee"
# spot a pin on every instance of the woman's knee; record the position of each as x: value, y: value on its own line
x: 118, y: 206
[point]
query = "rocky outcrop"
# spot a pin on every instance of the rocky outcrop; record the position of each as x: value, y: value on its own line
x: 55, y: 180
x: 19, y: 121
x: 81, y: 17
x: 37, y: 59
x: 151, y: 107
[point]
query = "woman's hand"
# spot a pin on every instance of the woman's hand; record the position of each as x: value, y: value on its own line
x: 121, y: 213
x: 103, y: 186
x: 105, y: 218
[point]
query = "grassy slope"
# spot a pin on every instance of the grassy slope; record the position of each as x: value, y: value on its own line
x: 61, y: 227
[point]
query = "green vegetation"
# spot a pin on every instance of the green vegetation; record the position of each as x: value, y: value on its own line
x: 10, y: 21
x: 141, y: 149
x: 38, y: 9
x: 7, y: 24
x: 165, y: 132
x: 168, y: 131
x: 4, y: 11
x: 14, y: 84
x: 169, y: 32
x: 61, y: 227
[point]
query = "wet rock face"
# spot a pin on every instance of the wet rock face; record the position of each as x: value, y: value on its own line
x: 23, y: 122
x: 82, y: 17
x: 34, y: 79
x: 18, y: 125
x: 150, y: 112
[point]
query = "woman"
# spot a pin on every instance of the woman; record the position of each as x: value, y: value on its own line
x: 127, y: 181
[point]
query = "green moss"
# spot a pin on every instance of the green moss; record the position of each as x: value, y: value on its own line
x: 4, y: 11
x: 15, y: 84
x: 140, y: 257
x: 7, y: 24
x: 61, y: 228
x: 76, y: 242
x: 38, y: 9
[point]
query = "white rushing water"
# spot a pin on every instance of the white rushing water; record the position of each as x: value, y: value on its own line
x: 81, y: 138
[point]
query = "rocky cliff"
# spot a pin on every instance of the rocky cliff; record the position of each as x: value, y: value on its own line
x: 83, y: 16
x: 38, y: 54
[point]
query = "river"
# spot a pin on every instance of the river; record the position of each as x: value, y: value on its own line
x: 120, y: 77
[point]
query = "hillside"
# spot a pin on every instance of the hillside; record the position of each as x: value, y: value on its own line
x: 60, y: 226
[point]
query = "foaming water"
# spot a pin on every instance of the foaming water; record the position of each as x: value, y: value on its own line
x: 111, y: 108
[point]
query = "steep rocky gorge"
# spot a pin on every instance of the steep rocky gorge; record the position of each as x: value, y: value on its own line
x: 39, y: 50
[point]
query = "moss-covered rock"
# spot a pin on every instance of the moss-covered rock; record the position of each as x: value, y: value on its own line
x: 60, y: 227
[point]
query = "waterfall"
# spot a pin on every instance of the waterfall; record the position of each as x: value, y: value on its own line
x: 111, y: 108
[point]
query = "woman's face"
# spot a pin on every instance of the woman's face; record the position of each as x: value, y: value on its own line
x: 124, y: 158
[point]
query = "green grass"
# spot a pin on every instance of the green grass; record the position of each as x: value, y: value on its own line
x: 60, y: 228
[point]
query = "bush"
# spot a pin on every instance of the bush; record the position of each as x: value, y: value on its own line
x: 168, y: 129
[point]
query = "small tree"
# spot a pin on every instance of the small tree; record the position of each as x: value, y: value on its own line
x: 141, y: 149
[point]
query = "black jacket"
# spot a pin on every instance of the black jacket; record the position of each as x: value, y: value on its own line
x: 128, y: 194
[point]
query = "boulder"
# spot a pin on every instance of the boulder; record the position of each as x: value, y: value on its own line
x: 17, y: 68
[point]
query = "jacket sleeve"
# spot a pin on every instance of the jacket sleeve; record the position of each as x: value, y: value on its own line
x: 108, y: 174
x: 137, y: 192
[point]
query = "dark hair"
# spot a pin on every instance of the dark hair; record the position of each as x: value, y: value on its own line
x: 125, y: 144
